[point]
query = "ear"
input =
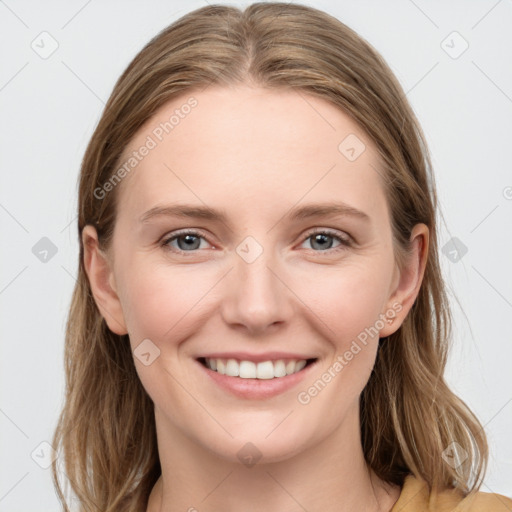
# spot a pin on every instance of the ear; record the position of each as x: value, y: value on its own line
x: 101, y: 279
x: 407, y: 283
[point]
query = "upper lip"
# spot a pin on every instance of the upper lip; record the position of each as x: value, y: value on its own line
x: 256, y: 358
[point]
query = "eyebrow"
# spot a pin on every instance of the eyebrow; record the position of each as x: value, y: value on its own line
x: 300, y: 213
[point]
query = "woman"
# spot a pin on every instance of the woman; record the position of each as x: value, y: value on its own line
x: 260, y: 321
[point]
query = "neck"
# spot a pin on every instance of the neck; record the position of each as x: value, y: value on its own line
x: 331, y: 476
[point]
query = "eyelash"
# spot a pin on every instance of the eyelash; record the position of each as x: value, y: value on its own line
x: 345, y: 242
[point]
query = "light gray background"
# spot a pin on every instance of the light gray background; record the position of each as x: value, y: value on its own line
x: 49, y: 108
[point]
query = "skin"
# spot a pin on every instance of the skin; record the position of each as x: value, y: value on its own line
x: 256, y: 154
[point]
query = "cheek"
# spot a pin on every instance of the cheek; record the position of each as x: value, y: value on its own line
x: 160, y: 302
x: 348, y: 304
x: 346, y: 300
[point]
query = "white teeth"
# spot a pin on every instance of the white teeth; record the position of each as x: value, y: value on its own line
x: 251, y: 370
x: 290, y: 367
x: 232, y: 368
x: 300, y: 365
x: 221, y: 366
x: 247, y: 370
x: 279, y: 368
x: 265, y: 370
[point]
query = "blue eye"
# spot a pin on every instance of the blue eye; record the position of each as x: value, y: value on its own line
x: 321, y: 241
x: 188, y: 241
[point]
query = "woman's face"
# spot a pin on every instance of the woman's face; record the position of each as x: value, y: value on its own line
x: 278, y: 268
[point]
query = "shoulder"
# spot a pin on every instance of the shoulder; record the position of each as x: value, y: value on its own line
x: 415, y: 497
x: 485, y: 502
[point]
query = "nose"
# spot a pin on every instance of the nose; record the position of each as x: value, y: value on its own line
x: 256, y: 297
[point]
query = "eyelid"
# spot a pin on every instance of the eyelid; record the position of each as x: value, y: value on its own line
x: 344, y: 238
x: 342, y: 235
x: 181, y: 232
x: 346, y: 241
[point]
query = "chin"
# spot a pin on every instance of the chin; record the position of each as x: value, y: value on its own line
x: 258, y: 443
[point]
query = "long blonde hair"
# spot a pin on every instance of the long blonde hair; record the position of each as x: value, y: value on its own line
x: 409, y: 417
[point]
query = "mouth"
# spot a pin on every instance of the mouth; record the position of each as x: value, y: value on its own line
x: 263, y: 370
x: 255, y: 380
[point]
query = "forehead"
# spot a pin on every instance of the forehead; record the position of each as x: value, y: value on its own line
x: 250, y: 147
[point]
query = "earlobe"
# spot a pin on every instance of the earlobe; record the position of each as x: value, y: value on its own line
x: 101, y: 280
x: 409, y: 282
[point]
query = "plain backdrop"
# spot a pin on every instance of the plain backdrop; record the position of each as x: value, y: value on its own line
x: 59, y: 63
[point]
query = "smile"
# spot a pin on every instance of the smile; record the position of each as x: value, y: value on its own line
x: 263, y: 370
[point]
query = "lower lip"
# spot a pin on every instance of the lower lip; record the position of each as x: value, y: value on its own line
x: 257, y: 389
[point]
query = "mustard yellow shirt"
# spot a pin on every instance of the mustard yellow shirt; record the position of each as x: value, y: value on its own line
x: 416, y: 498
